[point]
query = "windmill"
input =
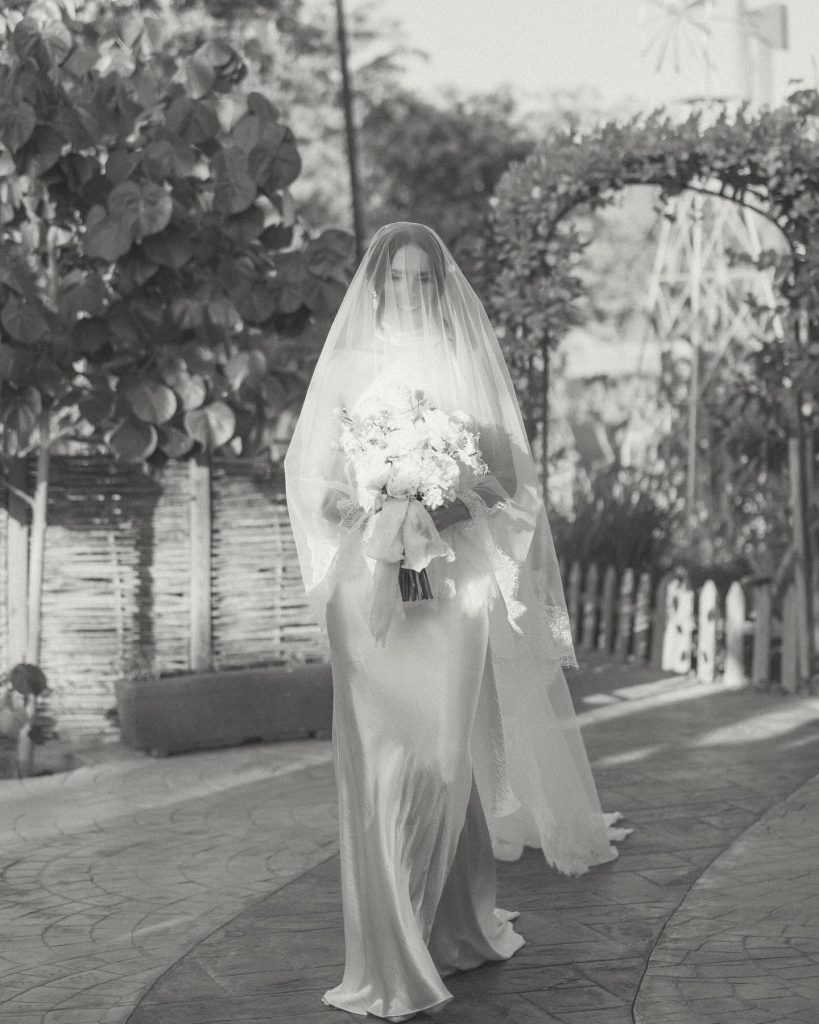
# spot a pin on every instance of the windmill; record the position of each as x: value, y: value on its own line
x: 697, y: 294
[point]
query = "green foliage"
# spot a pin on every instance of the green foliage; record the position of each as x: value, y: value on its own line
x: 153, y: 290
x: 768, y: 162
x: 439, y: 163
x: 623, y: 517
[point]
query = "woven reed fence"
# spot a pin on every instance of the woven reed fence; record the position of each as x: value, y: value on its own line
x: 125, y: 591
x: 749, y: 634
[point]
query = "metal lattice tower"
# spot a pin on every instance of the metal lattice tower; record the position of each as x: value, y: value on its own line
x: 698, y: 290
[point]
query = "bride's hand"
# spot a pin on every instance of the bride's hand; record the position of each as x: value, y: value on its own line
x: 446, y: 515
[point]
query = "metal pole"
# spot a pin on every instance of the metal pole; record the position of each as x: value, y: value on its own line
x: 800, y: 469
x: 746, y: 83
x: 544, y: 455
x: 696, y: 346
x: 349, y: 127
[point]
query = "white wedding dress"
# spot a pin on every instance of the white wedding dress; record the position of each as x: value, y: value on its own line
x: 417, y: 868
x: 455, y: 741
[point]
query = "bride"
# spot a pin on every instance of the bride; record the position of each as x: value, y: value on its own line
x: 454, y: 736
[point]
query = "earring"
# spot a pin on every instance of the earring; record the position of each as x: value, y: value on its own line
x: 374, y: 297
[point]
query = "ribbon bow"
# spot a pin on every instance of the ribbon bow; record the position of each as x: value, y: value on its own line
x: 402, y: 531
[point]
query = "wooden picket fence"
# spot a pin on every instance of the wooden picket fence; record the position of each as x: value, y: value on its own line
x: 749, y: 637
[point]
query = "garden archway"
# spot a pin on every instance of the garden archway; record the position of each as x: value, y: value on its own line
x: 767, y: 163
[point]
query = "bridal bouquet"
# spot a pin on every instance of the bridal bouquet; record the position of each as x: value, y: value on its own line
x: 406, y: 458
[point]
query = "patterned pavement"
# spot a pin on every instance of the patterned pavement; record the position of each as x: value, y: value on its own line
x: 204, y: 888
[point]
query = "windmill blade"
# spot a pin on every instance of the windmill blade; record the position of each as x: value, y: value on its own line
x: 682, y: 28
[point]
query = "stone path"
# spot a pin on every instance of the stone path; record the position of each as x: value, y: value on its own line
x: 109, y: 874
x: 744, y: 946
x: 204, y: 888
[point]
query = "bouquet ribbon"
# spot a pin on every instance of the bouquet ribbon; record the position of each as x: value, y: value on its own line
x: 403, y: 532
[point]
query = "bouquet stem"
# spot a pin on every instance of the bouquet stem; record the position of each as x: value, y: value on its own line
x: 414, y: 586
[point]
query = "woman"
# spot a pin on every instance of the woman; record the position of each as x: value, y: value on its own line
x: 450, y: 709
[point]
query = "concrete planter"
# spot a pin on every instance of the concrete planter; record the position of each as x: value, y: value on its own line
x: 222, y: 709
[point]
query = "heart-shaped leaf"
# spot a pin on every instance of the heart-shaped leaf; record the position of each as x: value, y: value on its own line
x: 212, y: 425
x: 151, y: 402
x: 17, y: 122
x: 235, y: 188
x: 133, y: 440
x: 24, y: 322
x: 190, y: 388
x: 27, y: 679
x: 191, y: 120
x: 146, y: 207
x: 109, y: 239
x: 275, y: 164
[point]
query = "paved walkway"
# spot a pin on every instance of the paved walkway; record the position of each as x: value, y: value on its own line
x: 204, y: 888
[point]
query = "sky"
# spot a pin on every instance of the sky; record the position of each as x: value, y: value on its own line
x: 538, y: 46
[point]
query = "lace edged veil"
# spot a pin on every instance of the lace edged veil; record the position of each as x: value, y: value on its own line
x: 410, y: 306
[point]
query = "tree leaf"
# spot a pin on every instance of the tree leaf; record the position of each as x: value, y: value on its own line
x: 212, y: 425
x: 175, y: 443
x: 151, y: 402
x: 191, y: 120
x: 42, y: 150
x: 19, y: 418
x: 133, y: 440
x: 275, y: 164
x: 261, y: 105
x: 330, y: 255
x: 159, y: 160
x: 146, y: 207
x: 246, y: 226
x: 24, y: 322
x: 109, y: 239
x: 198, y: 75
x: 172, y: 247
x: 235, y: 188
x: 8, y: 362
x: 17, y: 122
x: 290, y: 281
x: 256, y: 304
x: 28, y: 679
x: 121, y: 164
x: 190, y: 388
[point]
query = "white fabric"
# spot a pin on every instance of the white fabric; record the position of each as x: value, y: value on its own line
x: 467, y: 686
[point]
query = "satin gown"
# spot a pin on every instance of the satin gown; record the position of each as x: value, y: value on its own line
x: 417, y: 869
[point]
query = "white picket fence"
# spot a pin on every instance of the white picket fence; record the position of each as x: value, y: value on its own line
x: 743, y: 639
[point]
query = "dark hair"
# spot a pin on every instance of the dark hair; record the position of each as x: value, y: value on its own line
x: 380, y: 259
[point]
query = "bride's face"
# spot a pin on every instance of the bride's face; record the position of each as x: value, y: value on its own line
x: 412, y: 284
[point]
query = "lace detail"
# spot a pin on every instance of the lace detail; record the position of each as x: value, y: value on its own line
x: 560, y: 628
x: 506, y: 569
x: 476, y: 506
x: 351, y: 515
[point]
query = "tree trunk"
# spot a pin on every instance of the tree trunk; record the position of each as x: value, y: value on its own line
x: 39, y: 517
x: 349, y: 127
